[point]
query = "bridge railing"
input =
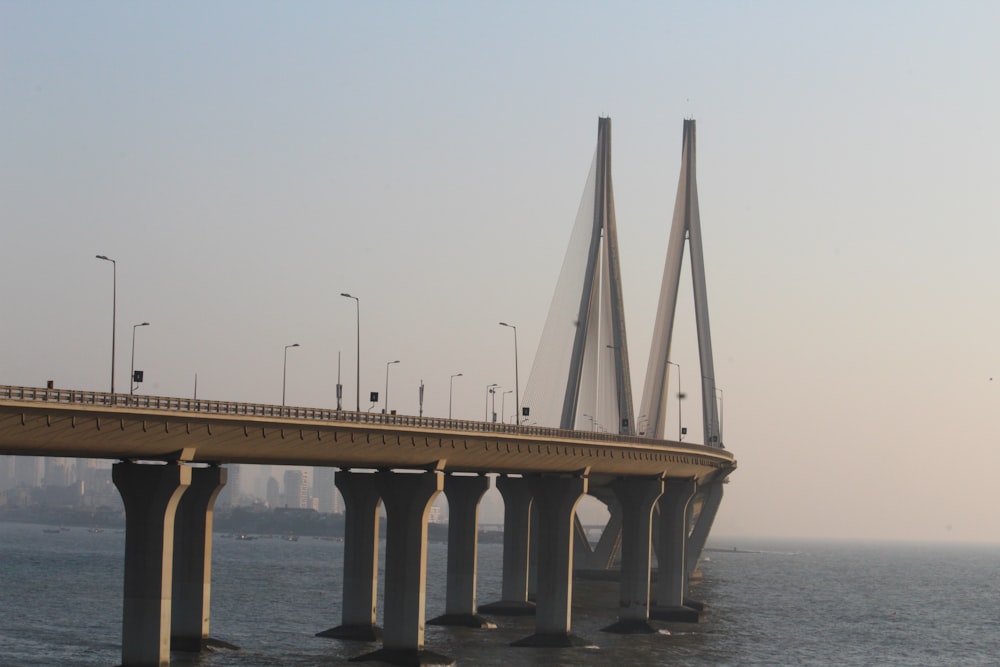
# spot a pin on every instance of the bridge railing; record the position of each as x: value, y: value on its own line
x: 213, y: 407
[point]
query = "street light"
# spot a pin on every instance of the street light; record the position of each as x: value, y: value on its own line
x: 494, y: 392
x: 451, y: 384
x: 114, y: 310
x: 357, y: 387
x: 680, y: 398
x: 503, y: 404
x: 486, y: 411
x: 517, y: 383
x: 284, y: 373
x: 131, y: 374
x: 387, y: 364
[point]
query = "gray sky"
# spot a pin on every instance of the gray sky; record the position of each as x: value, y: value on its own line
x: 245, y: 162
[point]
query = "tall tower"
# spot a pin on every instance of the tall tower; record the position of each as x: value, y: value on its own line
x: 686, y: 227
x: 580, y: 378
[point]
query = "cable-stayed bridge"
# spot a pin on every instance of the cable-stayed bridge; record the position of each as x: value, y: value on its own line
x: 663, y: 495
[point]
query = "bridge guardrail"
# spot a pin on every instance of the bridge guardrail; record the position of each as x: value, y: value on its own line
x: 214, y: 407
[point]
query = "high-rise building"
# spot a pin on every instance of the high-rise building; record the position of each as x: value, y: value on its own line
x: 57, y: 471
x: 297, y: 488
x: 273, y: 492
x: 324, y: 491
x: 230, y: 494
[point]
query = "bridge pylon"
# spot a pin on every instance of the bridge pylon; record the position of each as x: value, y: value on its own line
x: 686, y: 227
x: 580, y: 378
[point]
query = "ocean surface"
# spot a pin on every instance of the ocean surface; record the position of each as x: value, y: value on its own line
x: 771, y: 603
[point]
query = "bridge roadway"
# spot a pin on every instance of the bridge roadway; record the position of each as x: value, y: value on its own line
x: 541, y: 470
x: 84, y: 424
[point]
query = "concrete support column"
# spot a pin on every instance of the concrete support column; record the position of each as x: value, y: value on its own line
x: 150, y: 494
x: 671, y: 580
x: 192, y: 581
x: 464, y: 493
x: 636, y: 498
x: 516, y: 549
x: 361, y: 519
x: 556, y: 499
x: 703, y: 524
x: 407, y: 499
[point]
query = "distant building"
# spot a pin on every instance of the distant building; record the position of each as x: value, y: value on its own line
x: 297, y: 489
x: 324, y: 492
x: 57, y: 472
x: 273, y: 492
x: 230, y: 494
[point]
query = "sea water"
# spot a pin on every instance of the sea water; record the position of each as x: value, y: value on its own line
x: 770, y: 603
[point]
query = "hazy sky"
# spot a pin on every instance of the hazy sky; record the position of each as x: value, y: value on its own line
x: 246, y: 162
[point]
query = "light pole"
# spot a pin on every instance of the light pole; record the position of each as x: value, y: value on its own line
x: 503, y: 404
x: 680, y: 397
x: 494, y: 392
x: 387, y: 364
x: 517, y: 383
x: 114, y: 313
x: 486, y: 410
x: 131, y: 375
x: 451, y: 384
x: 357, y: 387
x: 284, y: 373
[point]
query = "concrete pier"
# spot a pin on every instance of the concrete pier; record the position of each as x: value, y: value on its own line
x: 556, y: 499
x: 407, y: 498
x: 192, y: 576
x: 516, y: 549
x: 636, y: 497
x: 712, y: 493
x: 361, y: 522
x: 464, y: 493
x: 150, y: 494
x: 672, y: 574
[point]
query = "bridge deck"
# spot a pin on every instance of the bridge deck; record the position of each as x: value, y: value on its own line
x: 51, y: 422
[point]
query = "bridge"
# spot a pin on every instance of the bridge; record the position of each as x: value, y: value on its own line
x: 662, y: 495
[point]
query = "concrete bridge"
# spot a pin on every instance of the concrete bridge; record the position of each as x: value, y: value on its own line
x: 401, y: 461
x: 661, y: 494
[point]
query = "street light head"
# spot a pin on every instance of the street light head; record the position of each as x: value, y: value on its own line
x: 458, y: 375
x: 347, y: 295
x: 144, y: 324
x: 101, y: 257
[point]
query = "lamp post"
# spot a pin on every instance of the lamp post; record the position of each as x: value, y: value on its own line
x: 451, y: 384
x: 387, y: 364
x: 357, y: 387
x: 503, y: 405
x: 114, y: 313
x: 494, y: 409
x: 517, y: 383
x: 486, y: 411
x: 131, y: 375
x: 284, y: 373
x: 680, y: 397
